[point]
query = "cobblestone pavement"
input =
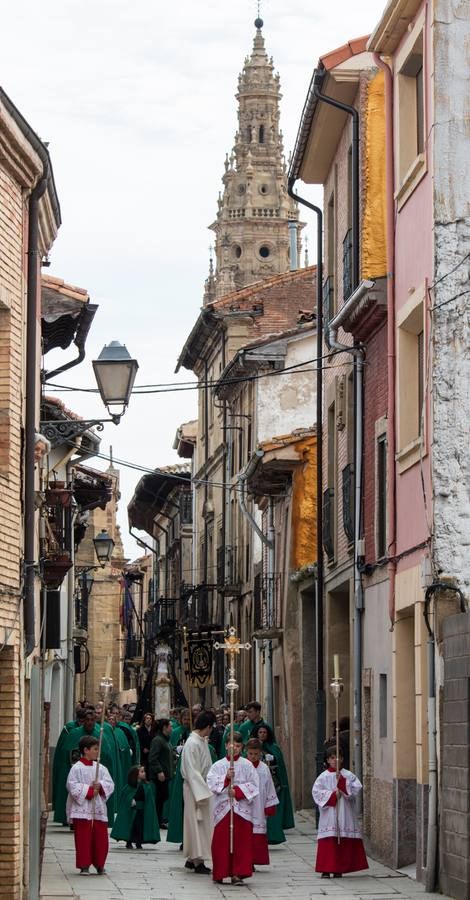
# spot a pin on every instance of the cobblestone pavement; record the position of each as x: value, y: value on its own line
x: 158, y: 874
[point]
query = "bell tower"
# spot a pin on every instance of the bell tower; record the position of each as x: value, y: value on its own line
x: 254, y: 209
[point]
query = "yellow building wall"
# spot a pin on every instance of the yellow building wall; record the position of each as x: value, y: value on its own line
x: 304, y: 505
x: 373, y: 236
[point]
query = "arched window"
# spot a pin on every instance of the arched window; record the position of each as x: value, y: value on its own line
x: 261, y: 134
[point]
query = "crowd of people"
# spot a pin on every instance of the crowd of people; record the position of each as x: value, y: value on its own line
x: 221, y: 795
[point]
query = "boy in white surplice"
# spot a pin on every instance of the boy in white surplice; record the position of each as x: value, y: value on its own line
x: 335, y: 795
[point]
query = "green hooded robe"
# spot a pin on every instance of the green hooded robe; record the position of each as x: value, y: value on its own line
x: 122, y: 828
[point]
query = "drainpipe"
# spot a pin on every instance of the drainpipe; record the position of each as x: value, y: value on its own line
x: 30, y: 418
x: 358, y: 355
x: 268, y: 541
x: 320, y: 699
x: 391, y: 426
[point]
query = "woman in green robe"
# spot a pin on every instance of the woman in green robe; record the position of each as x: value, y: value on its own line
x: 136, y: 820
x: 272, y: 756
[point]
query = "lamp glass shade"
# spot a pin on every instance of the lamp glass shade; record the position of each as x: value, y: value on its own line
x: 104, y: 546
x: 115, y: 373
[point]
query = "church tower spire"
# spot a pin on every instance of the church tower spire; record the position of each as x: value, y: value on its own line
x: 254, y: 208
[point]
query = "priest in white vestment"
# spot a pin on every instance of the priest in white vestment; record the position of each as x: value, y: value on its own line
x: 197, y: 824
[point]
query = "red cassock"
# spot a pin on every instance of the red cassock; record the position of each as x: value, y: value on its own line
x: 91, y: 843
x: 225, y: 864
x: 346, y: 856
x: 260, y: 843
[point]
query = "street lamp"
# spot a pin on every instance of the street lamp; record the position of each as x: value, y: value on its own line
x: 104, y: 546
x: 115, y: 372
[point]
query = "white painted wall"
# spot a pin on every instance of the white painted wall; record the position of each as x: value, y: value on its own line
x: 451, y: 322
x: 287, y: 402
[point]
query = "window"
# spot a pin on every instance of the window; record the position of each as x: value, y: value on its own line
x: 249, y: 134
x: 261, y: 134
x: 410, y: 115
x: 381, y: 496
x: 264, y: 251
x: 411, y: 384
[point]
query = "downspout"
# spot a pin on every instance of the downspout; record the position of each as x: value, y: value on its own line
x: 391, y: 426
x: 320, y: 699
x: 206, y: 460
x: 31, y: 406
x: 268, y: 541
x: 165, y: 532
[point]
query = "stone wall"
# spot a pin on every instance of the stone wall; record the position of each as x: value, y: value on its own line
x: 451, y: 316
x: 454, y: 834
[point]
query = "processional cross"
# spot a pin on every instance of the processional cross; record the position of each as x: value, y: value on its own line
x: 336, y: 688
x: 231, y: 647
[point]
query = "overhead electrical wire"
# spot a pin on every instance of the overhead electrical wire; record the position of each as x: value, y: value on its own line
x: 175, y: 386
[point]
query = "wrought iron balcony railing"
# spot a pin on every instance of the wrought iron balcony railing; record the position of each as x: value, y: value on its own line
x: 267, y: 597
x: 228, y: 579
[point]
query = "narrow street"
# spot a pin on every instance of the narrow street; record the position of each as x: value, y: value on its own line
x: 159, y: 873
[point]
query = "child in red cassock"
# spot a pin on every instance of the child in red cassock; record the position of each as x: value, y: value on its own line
x: 335, y: 795
x: 264, y: 805
x: 239, y: 788
x: 88, y: 792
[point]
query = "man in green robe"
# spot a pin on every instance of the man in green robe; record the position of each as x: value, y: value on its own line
x: 253, y: 710
x: 67, y: 753
x: 124, y: 723
x: 124, y: 756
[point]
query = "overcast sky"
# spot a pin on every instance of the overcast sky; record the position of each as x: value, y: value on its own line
x: 136, y: 100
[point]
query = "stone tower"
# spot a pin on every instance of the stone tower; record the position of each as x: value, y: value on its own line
x: 257, y: 232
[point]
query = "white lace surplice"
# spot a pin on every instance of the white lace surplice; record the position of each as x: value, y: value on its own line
x: 246, y: 777
x: 266, y: 798
x: 347, y: 816
x: 79, y: 780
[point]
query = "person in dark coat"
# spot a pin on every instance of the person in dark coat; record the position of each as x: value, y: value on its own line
x: 146, y: 734
x: 161, y: 766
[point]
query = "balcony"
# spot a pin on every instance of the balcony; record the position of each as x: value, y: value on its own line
x: 328, y: 534
x: 267, y: 596
x: 228, y: 579
x: 347, y: 265
x: 57, y: 559
x: 134, y: 651
x: 328, y: 301
x: 348, y: 502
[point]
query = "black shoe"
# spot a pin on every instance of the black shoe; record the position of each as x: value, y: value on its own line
x: 189, y: 864
x: 85, y: 870
x: 100, y: 871
x: 129, y: 846
x: 325, y: 875
x: 201, y: 869
x: 337, y: 874
x: 139, y: 847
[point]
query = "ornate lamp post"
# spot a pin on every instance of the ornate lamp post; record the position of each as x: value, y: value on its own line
x: 115, y: 372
